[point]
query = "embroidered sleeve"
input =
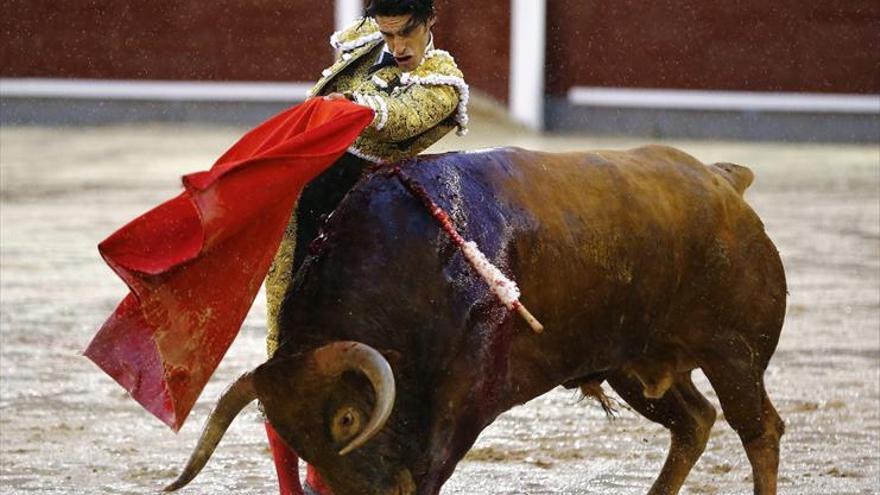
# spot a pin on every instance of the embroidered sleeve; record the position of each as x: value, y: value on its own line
x: 409, y: 112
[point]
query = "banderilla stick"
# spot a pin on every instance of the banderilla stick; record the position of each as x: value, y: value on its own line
x: 504, y: 289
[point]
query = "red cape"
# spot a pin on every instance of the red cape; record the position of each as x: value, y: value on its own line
x: 194, y: 264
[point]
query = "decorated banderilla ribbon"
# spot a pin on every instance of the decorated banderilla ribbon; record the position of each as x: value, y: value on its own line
x: 504, y: 289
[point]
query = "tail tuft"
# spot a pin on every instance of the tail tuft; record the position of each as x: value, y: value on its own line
x: 738, y: 176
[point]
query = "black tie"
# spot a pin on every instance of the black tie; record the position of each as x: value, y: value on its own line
x: 387, y: 61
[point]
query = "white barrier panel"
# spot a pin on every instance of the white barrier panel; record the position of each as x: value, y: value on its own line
x: 101, y: 89
x: 724, y: 100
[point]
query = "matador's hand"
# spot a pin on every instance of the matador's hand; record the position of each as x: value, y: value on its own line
x: 335, y: 96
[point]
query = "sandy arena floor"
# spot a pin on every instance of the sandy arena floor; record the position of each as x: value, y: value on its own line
x: 65, y: 427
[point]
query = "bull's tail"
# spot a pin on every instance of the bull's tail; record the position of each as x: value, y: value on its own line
x: 738, y: 176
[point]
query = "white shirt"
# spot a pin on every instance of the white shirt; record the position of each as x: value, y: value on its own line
x: 386, y: 50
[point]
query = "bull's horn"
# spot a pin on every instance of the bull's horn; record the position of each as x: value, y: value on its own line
x: 337, y: 357
x: 233, y: 400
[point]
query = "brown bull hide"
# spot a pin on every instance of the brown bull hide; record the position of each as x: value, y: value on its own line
x: 643, y: 265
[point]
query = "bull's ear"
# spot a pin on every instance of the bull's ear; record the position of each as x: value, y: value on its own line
x: 275, y: 377
x: 285, y: 385
x: 287, y: 390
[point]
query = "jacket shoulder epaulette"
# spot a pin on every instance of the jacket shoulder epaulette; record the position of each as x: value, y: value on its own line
x: 439, y: 68
x: 359, y: 33
x: 438, y: 62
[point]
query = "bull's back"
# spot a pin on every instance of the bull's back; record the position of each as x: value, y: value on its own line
x: 613, y: 214
x: 609, y: 247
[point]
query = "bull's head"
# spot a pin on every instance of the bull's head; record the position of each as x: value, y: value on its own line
x: 320, y: 405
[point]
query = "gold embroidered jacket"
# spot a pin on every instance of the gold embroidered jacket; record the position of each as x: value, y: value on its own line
x: 413, y: 109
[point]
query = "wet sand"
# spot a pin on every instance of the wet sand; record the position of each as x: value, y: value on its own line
x: 65, y: 427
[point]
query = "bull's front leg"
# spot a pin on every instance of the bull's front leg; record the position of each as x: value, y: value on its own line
x: 472, y: 392
x: 456, y: 422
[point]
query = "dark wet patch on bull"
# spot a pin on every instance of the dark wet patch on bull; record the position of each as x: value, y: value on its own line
x: 459, y: 185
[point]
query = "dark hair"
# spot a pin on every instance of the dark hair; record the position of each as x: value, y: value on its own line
x: 421, y: 10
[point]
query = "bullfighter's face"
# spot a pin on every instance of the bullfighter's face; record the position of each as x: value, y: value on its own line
x: 407, y: 40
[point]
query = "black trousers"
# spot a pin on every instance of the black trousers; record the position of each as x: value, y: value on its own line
x: 320, y: 197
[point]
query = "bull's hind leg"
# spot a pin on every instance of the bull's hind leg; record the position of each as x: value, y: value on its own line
x: 738, y: 380
x: 684, y: 412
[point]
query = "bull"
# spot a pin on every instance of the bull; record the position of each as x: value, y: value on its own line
x: 643, y: 265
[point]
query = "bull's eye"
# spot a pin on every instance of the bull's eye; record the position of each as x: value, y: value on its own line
x: 346, y: 424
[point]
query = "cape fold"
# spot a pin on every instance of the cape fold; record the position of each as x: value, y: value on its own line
x: 194, y: 264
